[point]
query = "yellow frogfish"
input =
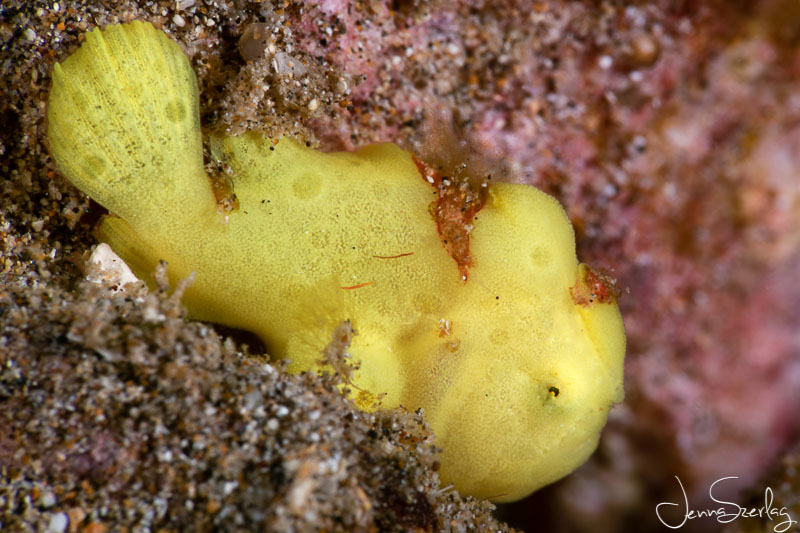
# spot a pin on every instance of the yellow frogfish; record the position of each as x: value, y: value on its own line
x: 513, y: 349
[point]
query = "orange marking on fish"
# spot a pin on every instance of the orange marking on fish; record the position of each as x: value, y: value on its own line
x: 393, y: 256
x: 454, y: 209
x: 358, y: 286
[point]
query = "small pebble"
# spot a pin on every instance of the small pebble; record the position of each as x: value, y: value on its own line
x: 58, y: 523
x: 645, y: 49
x: 253, y: 40
x: 48, y: 499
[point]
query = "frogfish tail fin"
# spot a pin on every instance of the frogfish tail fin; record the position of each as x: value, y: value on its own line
x: 124, y: 125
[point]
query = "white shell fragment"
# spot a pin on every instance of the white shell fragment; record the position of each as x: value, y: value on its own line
x: 107, y: 268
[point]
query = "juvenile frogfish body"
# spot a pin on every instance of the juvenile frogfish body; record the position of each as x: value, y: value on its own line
x: 516, y: 375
